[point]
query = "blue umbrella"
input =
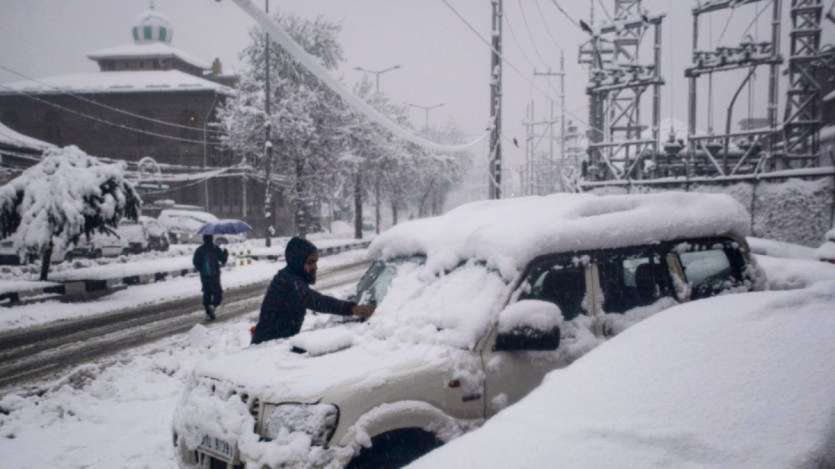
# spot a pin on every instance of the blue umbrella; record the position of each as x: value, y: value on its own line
x: 229, y: 226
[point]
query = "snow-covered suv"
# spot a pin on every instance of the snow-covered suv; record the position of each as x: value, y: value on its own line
x: 473, y: 308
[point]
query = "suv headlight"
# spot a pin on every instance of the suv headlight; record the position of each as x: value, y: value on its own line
x: 317, y: 420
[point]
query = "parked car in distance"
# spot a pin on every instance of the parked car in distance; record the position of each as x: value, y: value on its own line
x: 474, y: 307
x: 145, y: 234
x: 182, y: 225
x: 826, y: 251
x: 99, y: 245
x: 10, y: 256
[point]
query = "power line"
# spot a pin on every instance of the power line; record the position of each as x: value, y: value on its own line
x: 517, y: 42
x: 512, y: 66
x: 605, y: 10
x: 547, y: 29
x: 114, y: 124
x: 530, y: 34
x: 565, y: 13
x: 727, y: 22
x: 756, y: 17
x: 105, y: 106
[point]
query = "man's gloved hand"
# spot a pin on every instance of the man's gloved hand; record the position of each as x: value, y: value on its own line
x: 363, y: 311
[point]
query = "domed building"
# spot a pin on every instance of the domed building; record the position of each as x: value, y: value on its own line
x: 148, y: 99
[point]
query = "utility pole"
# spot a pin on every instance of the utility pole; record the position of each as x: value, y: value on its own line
x: 377, y: 218
x: 268, y: 144
x: 426, y: 109
x: 495, y: 182
x: 552, y: 164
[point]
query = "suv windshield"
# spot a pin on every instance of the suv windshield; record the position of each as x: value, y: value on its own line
x: 374, y: 284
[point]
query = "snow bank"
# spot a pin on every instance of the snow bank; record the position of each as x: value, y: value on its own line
x: 732, y: 381
x: 770, y: 247
x: 508, y: 233
x: 790, y: 274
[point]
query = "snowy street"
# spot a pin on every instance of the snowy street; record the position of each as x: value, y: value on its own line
x: 115, y: 411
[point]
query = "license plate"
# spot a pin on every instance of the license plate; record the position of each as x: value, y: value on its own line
x: 218, y: 448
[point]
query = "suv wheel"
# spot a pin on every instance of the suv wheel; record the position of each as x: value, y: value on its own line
x: 395, y: 449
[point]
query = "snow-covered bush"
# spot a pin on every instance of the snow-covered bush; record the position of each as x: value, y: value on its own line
x: 66, y: 195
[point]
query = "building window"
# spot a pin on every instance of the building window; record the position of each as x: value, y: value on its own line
x: 52, y: 128
x: 148, y: 32
x: 162, y: 33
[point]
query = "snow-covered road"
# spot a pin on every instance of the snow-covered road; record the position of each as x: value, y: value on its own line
x: 116, y: 412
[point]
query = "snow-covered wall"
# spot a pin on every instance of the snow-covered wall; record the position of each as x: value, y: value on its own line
x: 795, y: 210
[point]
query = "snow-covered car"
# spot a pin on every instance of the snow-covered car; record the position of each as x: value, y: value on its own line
x: 734, y: 381
x: 11, y: 256
x: 100, y: 245
x: 183, y: 224
x: 826, y: 251
x: 474, y: 307
x: 143, y: 235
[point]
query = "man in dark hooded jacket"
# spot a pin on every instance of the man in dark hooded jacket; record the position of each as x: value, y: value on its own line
x: 289, y: 296
x: 207, y: 260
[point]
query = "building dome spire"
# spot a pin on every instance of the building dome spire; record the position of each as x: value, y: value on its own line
x: 152, y: 26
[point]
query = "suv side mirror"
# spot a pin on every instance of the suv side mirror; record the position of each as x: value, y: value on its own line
x: 528, y: 338
x: 529, y: 325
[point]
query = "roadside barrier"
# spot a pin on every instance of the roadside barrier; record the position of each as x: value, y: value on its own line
x: 74, y: 287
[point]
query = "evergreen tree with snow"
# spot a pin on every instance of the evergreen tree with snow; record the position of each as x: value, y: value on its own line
x: 66, y: 195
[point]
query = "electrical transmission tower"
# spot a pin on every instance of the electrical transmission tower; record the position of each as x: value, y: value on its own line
x: 618, y: 141
x: 711, y: 154
x: 809, y: 68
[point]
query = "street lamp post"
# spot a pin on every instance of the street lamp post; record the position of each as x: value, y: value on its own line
x: 377, y: 74
x: 426, y: 109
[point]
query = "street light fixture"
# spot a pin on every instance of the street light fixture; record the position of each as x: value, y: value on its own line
x: 377, y: 73
x: 426, y: 109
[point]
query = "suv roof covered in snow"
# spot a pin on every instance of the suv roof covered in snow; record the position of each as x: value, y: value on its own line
x: 509, y: 233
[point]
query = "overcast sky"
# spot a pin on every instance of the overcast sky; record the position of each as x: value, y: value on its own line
x: 442, y: 61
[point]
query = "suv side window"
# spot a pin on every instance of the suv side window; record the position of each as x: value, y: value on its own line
x: 632, y: 279
x: 710, y: 266
x: 560, y: 282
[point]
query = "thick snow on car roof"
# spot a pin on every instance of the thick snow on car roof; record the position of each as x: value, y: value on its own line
x: 732, y: 381
x: 509, y: 233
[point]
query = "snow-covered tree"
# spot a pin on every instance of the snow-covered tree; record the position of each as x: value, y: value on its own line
x: 66, y: 195
x: 305, y: 116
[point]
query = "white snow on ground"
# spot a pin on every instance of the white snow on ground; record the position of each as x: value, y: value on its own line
x: 787, y: 274
x: 179, y: 287
x: 117, y: 411
x: 732, y: 381
x: 770, y: 247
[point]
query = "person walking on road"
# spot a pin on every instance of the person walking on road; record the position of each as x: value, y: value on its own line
x: 289, y: 296
x: 207, y: 260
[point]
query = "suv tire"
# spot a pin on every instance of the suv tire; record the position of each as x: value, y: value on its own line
x: 395, y: 449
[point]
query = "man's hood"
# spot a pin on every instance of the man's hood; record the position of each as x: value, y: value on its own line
x: 295, y: 255
x: 275, y: 373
